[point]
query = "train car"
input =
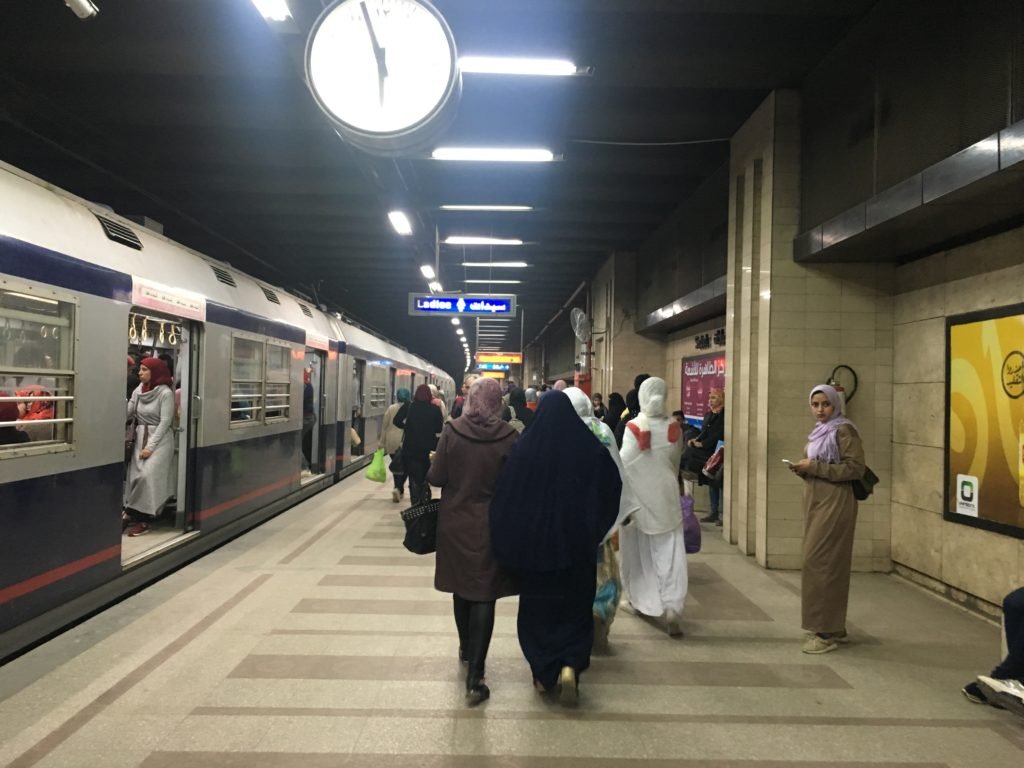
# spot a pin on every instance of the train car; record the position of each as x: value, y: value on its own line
x: 270, y: 396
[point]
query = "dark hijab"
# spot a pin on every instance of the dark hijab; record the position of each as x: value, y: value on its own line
x: 517, y: 399
x: 616, y: 405
x: 633, y: 406
x: 557, y: 495
x: 423, y: 394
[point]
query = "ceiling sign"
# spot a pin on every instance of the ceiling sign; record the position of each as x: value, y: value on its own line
x: 515, y: 358
x: 459, y: 305
x: 494, y: 366
x: 317, y: 341
x: 175, y: 301
x: 493, y: 374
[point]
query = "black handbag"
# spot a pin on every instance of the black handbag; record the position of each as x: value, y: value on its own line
x: 421, y: 528
x: 863, y: 488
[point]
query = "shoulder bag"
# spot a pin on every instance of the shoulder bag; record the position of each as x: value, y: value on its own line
x: 866, y: 485
x: 421, y: 527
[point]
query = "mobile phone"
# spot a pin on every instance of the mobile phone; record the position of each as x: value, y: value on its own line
x: 787, y: 461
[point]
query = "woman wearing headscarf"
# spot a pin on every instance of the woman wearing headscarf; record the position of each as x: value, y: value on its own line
x: 466, y: 466
x: 833, y: 459
x: 38, y: 409
x: 631, y: 412
x: 609, y: 584
x: 556, y: 499
x: 151, y: 466
x: 700, y: 448
x: 531, y: 398
x: 616, y: 405
x: 438, y: 400
x: 393, y: 442
x: 519, y: 408
x: 651, y: 547
x: 422, y: 423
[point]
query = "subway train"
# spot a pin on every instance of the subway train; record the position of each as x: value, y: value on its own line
x: 85, y: 293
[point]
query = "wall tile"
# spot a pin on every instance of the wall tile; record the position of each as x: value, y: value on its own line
x: 917, y: 539
x: 919, y: 414
x: 921, y: 304
x: 992, y: 289
x: 919, y: 353
x: 918, y: 477
x: 990, y: 576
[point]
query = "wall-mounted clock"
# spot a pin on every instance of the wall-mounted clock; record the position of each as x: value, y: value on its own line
x: 385, y: 72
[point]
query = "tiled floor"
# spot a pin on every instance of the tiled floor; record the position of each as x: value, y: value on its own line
x: 317, y: 641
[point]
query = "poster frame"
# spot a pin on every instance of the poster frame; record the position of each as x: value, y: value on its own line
x: 974, y: 522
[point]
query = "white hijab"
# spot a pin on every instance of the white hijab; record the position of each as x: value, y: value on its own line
x: 651, y: 447
x: 585, y: 408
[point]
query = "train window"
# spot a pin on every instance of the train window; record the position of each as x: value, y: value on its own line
x: 279, y: 386
x: 37, y: 377
x: 246, y: 380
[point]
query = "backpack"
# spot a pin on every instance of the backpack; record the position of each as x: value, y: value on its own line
x: 515, y: 422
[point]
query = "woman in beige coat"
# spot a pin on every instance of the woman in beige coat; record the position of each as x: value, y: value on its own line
x: 834, y: 458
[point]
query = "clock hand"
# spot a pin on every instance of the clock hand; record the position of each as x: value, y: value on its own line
x: 378, y: 52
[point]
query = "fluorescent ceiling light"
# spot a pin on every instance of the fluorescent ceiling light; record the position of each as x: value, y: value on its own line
x: 499, y: 208
x: 503, y: 282
x: 30, y: 298
x: 274, y: 10
x: 427, y: 271
x: 400, y: 222
x: 496, y: 264
x: 475, y: 240
x: 459, y: 331
x: 456, y: 321
x: 495, y: 154
x: 435, y: 287
x: 511, y: 65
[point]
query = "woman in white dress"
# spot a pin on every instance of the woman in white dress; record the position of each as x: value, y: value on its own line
x: 651, y: 548
x: 151, y: 466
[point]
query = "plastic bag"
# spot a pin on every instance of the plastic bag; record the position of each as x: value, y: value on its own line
x: 377, y: 471
x: 713, y: 466
x: 691, y: 525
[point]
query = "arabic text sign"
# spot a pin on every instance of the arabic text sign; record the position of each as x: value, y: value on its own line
x: 700, y: 376
x: 175, y: 301
x: 455, y: 305
x: 494, y: 366
x: 514, y: 358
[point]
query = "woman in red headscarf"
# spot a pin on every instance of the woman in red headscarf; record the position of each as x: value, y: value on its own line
x: 39, y: 409
x: 151, y: 466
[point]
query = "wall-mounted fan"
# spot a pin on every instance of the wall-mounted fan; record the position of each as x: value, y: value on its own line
x: 580, y: 324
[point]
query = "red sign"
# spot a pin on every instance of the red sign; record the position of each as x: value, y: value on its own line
x: 700, y: 376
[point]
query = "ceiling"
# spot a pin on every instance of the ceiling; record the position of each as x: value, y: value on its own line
x: 195, y: 113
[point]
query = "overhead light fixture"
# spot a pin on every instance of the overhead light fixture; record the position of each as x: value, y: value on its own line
x: 83, y: 9
x: 511, y: 65
x: 502, y: 282
x: 30, y: 297
x: 474, y: 240
x: 496, y: 264
x: 435, y: 287
x: 400, y: 222
x: 272, y: 10
x: 428, y: 272
x: 456, y: 321
x: 460, y: 331
x: 498, y: 208
x: 495, y: 154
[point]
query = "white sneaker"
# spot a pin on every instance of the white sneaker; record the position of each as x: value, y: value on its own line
x: 1009, y: 687
x: 627, y: 607
x: 396, y: 496
x: 673, y: 623
x: 1007, y: 694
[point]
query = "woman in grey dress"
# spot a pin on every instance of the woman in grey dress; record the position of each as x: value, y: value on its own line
x: 151, y: 466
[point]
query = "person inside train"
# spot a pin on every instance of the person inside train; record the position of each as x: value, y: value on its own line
x: 39, y: 409
x: 393, y: 435
x: 651, y: 547
x: 466, y: 464
x: 1003, y: 687
x: 10, y: 435
x: 609, y: 583
x: 150, y: 481
x: 133, y: 377
x: 833, y: 459
x: 308, y: 421
x: 557, y: 497
x: 422, y: 423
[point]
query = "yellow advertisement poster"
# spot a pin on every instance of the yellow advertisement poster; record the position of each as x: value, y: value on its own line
x: 985, y: 425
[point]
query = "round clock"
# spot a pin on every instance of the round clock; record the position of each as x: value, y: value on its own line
x: 385, y: 72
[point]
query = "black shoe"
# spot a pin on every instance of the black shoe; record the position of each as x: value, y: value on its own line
x: 718, y: 522
x: 975, y: 694
x: 477, y: 694
x: 710, y: 519
x: 462, y: 656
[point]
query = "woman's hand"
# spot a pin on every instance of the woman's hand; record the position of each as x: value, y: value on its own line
x: 145, y: 453
x: 802, y: 467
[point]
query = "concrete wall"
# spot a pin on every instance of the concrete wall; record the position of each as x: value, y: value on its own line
x: 964, y: 562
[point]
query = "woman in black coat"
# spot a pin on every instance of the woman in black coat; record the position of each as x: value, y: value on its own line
x: 422, y: 423
x: 699, y: 449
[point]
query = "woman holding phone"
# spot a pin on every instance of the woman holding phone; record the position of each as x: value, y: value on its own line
x: 833, y: 459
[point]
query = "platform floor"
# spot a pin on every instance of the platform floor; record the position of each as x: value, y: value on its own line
x: 317, y: 641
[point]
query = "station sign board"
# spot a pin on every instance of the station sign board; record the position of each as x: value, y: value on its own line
x: 494, y: 366
x: 493, y: 374
x: 513, y: 358
x: 462, y: 305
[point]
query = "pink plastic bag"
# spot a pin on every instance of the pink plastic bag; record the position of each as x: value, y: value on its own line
x: 691, y: 525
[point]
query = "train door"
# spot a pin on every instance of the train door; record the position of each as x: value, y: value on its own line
x: 160, y: 431
x: 358, y: 431
x: 312, y: 414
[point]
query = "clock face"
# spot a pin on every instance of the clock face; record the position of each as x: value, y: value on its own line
x: 381, y: 67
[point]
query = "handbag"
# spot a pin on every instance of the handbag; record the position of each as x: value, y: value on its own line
x: 866, y: 485
x: 377, y: 472
x: 714, y: 465
x: 691, y: 525
x: 129, y: 436
x: 421, y: 528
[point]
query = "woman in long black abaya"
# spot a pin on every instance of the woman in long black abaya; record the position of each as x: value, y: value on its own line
x: 556, y: 498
